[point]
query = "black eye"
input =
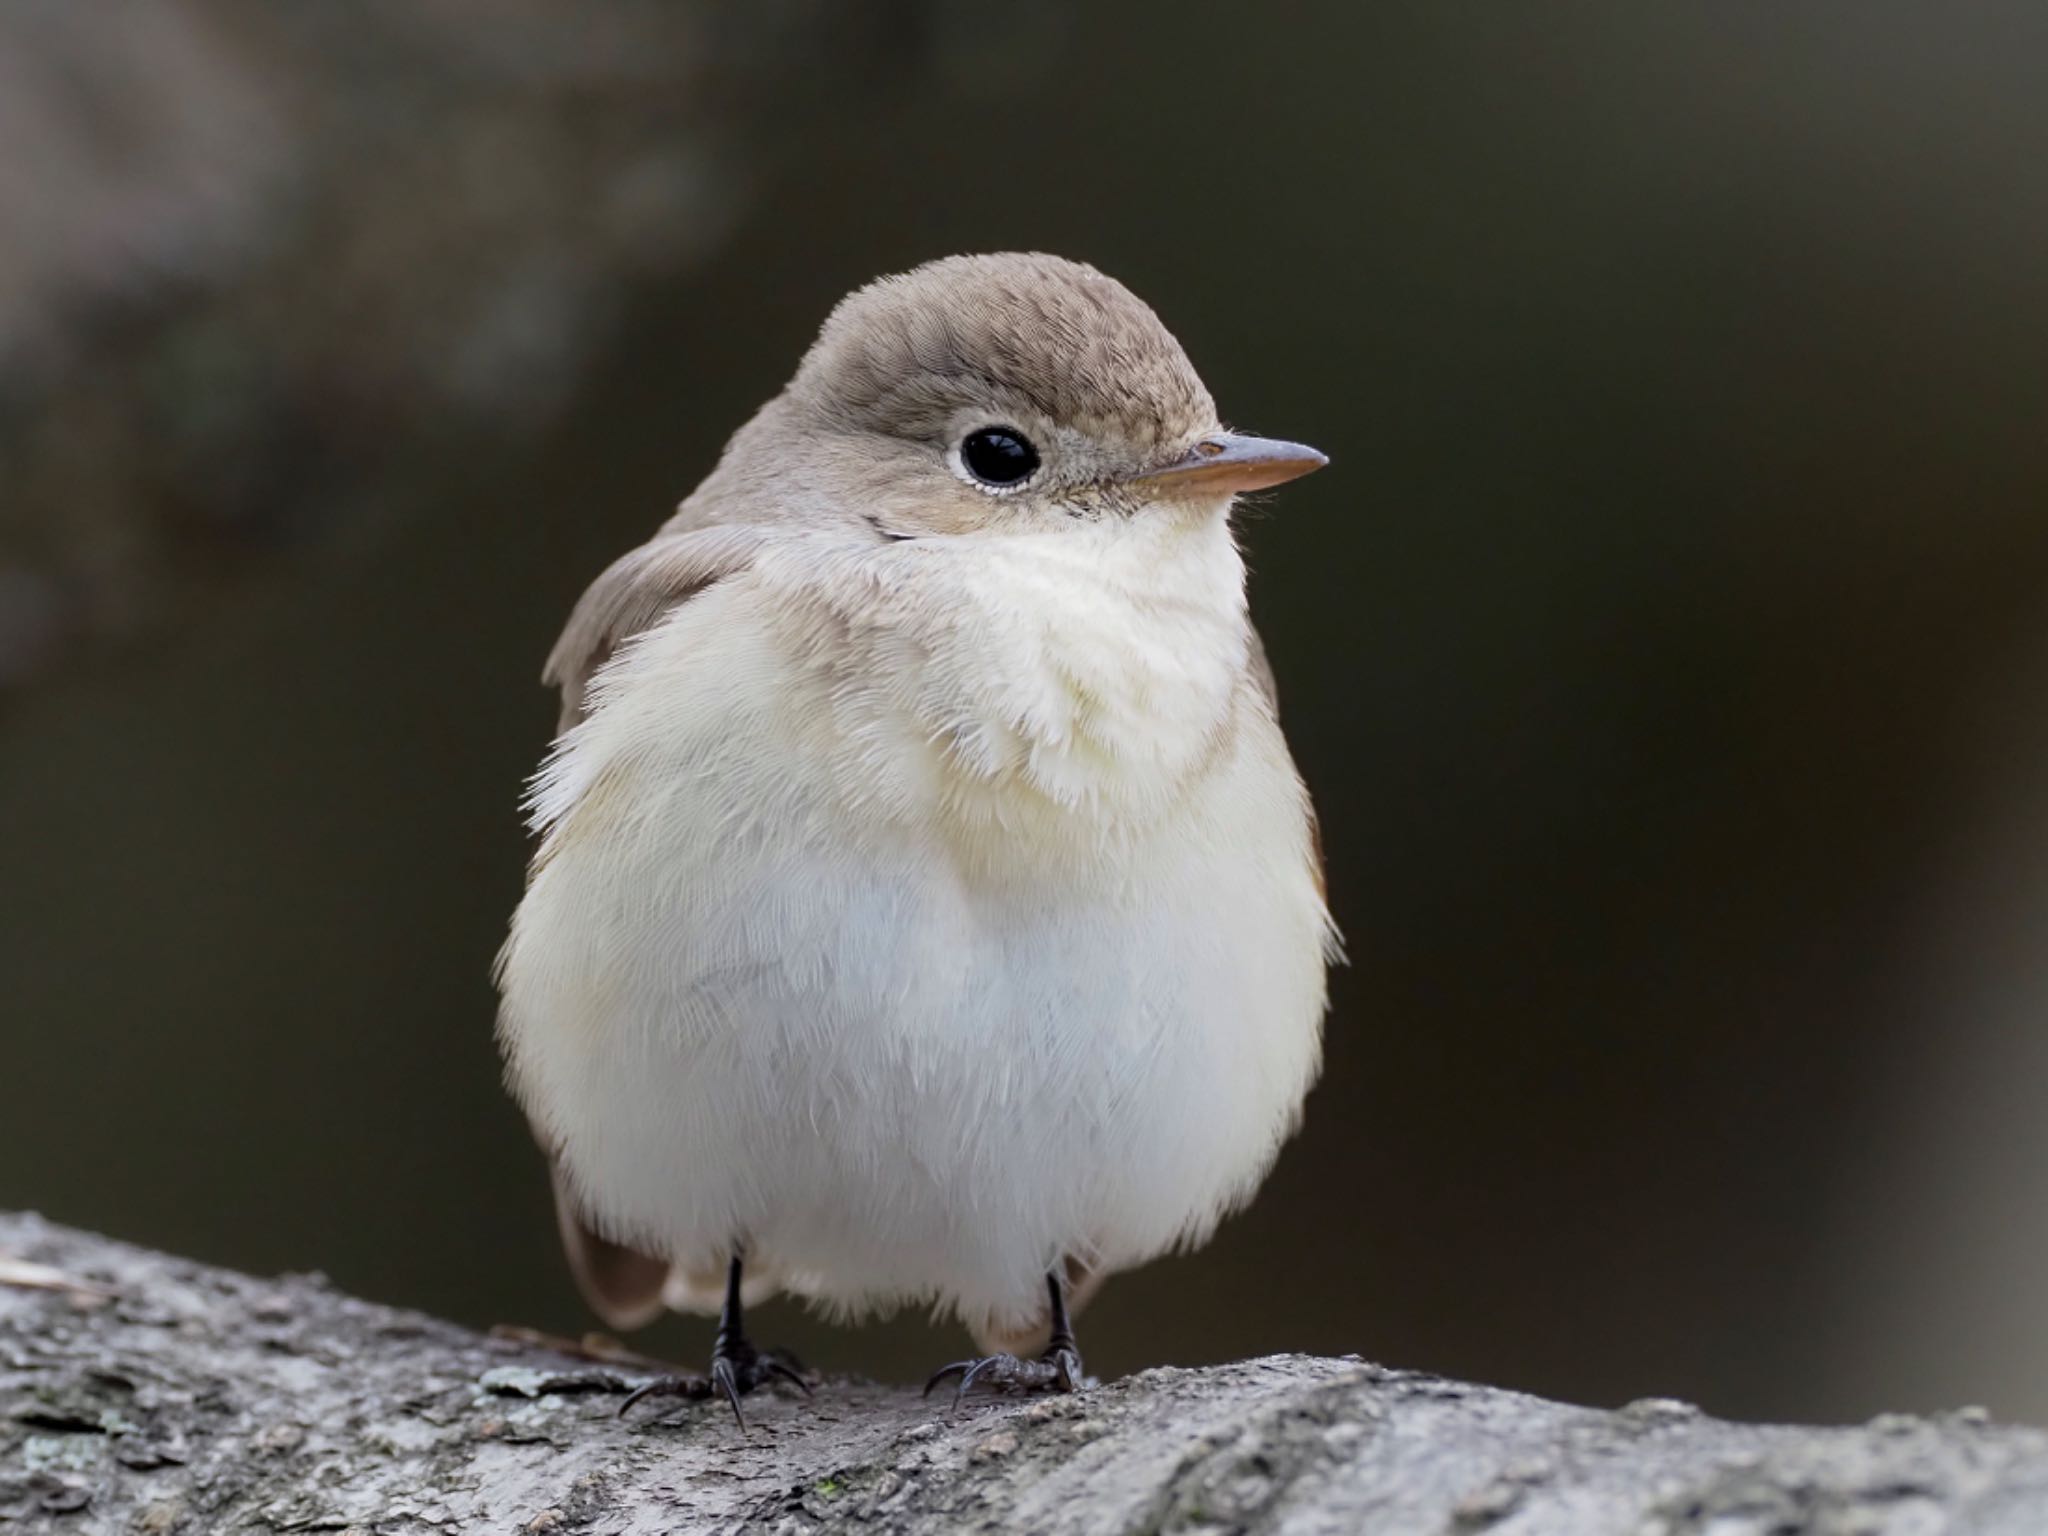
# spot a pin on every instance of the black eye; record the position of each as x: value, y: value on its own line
x: 998, y: 456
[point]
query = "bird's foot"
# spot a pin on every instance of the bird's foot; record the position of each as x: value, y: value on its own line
x: 1059, y: 1369
x: 735, y: 1371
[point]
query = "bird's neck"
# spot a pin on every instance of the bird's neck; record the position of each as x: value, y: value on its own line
x: 1098, y: 668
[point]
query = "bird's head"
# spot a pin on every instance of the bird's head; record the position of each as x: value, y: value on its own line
x: 1016, y: 392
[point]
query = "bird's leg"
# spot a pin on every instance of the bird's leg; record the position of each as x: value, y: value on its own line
x: 1059, y: 1369
x: 737, y: 1367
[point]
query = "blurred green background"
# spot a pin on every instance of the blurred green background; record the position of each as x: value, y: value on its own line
x: 1667, y: 646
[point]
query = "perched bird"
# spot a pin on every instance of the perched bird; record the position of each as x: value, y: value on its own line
x: 926, y: 906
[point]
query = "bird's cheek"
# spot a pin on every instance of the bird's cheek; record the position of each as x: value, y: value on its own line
x: 909, y: 512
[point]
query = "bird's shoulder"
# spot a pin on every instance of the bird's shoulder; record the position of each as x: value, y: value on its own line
x: 636, y: 590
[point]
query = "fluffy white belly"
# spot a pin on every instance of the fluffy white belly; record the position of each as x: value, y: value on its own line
x: 779, y: 983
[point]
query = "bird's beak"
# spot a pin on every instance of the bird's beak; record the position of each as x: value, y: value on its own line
x: 1228, y: 462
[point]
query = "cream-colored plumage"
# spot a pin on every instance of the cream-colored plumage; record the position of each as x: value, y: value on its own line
x: 926, y: 899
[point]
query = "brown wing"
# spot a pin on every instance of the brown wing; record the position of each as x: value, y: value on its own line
x: 623, y: 1285
x: 636, y: 590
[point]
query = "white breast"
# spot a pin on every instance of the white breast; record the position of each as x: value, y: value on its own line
x: 920, y: 915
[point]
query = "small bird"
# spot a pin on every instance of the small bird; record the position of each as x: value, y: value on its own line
x: 925, y: 905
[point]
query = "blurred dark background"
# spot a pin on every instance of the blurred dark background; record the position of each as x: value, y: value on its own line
x: 1667, y: 648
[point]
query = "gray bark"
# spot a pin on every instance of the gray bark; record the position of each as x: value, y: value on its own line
x: 141, y: 1392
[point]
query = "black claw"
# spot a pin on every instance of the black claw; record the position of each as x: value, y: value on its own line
x: 968, y: 1377
x: 690, y: 1387
x: 723, y: 1378
x: 1058, y: 1370
x: 1067, y: 1363
x: 736, y: 1366
x: 732, y: 1376
x: 786, y: 1368
x: 741, y: 1370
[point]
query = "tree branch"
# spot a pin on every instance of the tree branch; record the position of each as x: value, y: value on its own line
x: 140, y: 1392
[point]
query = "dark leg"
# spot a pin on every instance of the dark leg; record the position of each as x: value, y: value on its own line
x: 736, y: 1366
x: 1059, y: 1369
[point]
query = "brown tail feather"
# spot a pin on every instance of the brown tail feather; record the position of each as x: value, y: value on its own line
x: 622, y: 1285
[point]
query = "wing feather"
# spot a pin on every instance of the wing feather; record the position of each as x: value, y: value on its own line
x: 634, y: 592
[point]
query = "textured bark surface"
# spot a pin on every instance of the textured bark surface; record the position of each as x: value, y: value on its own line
x: 140, y: 1392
